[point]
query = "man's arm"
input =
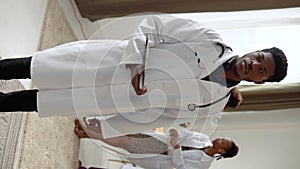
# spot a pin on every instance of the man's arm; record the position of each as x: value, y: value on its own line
x: 165, y: 29
x: 160, y: 29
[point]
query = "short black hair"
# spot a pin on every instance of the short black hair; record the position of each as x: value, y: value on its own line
x: 280, y: 64
x: 232, y: 151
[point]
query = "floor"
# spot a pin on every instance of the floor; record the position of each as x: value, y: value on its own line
x: 49, y: 142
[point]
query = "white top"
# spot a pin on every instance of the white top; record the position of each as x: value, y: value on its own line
x: 192, y: 159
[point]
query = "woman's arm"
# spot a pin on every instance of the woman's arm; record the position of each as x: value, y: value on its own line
x: 176, y: 154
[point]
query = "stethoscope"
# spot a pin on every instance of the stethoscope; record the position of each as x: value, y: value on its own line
x: 193, y: 106
x: 223, y: 47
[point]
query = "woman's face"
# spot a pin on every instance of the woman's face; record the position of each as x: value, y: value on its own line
x: 222, y: 144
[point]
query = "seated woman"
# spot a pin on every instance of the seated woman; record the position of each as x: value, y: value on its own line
x: 179, y: 149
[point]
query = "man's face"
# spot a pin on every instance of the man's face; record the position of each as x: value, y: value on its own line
x: 255, y: 67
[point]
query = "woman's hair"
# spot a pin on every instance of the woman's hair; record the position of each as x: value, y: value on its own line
x: 232, y: 151
x: 280, y: 64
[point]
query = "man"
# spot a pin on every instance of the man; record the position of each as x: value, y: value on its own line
x: 189, y: 71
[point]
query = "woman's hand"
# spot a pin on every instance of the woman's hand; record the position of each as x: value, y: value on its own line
x: 137, y: 71
x: 92, y: 127
x: 92, y: 124
x: 173, y: 138
x: 88, y: 128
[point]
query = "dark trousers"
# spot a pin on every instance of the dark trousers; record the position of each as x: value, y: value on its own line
x: 18, y: 68
x: 25, y: 100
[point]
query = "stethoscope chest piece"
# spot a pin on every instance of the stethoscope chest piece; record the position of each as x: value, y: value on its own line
x: 191, y: 107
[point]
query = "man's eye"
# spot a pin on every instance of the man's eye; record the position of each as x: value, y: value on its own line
x: 261, y: 71
x: 258, y: 58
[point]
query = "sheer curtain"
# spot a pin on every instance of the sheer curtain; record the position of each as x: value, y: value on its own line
x: 254, y: 30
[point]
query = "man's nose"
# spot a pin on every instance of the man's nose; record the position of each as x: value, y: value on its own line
x: 254, y: 65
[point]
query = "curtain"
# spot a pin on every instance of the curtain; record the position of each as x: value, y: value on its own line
x: 269, y: 97
x: 94, y: 10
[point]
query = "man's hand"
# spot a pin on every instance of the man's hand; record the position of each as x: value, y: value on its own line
x: 237, y: 95
x: 137, y: 71
x: 235, y: 99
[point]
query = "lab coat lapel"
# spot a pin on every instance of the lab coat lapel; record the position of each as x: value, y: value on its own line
x: 169, y: 93
x: 209, y: 53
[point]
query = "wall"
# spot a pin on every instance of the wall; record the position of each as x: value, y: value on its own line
x: 21, y: 28
x: 267, y: 140
x: 21, y: 23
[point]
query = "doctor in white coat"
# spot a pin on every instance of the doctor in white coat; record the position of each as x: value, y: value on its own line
x: 184, y: 149
x: 93, y: 79
x: 189, y: 73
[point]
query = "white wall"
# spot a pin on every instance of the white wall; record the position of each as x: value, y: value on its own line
x: 267, y: 140
x: 21, y: 23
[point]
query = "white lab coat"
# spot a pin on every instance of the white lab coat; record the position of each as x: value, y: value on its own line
x: 176, y: 158
x: 89, y: 78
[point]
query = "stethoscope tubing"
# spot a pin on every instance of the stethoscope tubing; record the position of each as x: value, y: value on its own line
x: 192, y: 106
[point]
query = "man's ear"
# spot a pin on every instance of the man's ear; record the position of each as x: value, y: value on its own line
x: 259, y: 82
x: 226, y: 107
x: 222, y: 151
